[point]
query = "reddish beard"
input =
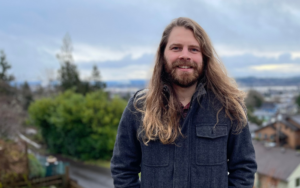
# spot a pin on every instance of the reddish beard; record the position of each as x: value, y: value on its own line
x: 185, y: 79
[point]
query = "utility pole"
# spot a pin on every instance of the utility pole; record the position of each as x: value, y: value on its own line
x: 278, y: 118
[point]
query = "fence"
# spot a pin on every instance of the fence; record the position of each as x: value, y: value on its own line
x: 62, y: 181
x: 59, y: 167
x: 36, y: 182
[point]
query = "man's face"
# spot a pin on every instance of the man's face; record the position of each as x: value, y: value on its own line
x: 183, y: 57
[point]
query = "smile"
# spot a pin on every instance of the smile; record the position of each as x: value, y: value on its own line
x: 184, y: 67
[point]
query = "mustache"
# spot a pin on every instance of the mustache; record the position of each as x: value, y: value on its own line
x: 184, y: 63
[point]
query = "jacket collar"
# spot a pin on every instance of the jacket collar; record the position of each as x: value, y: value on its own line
x: 200, y: 89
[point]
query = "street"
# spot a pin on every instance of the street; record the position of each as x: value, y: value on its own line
x: 90, y: 176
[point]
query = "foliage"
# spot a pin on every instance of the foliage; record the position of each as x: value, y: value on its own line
x: 68, y: 74
x: 35, y: 167
x: 5, y: 79
x: 254, y: 99
x: 96, y: 79
x: 252, y: 118
x: 26, y: 94
x: 298, y: 100
x: 5, y: 66
x: 80, y: 126
x: 99, y: 162
x: 11, y: 113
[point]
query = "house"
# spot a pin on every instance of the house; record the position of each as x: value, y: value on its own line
x: 276, y: 167
x: 252, y: 128
x: 285, y: 132
x: 266, y: 111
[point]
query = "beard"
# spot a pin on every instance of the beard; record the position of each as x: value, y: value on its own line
x: 185, y: 79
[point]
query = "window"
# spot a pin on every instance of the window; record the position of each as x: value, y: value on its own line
x: 259, y: 135
x: 266, y: 136
x: 298, y: 182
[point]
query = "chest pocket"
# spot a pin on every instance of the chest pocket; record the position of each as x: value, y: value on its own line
x: 156, y: 154
x: 211, y: 144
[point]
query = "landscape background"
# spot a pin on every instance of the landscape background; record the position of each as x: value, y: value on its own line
x: 67, y: 70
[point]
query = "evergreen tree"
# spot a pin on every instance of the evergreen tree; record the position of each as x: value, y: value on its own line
x: 96, y: 79
x: 4, y: 68
x: 298, y: 100
x: 68, y: 74
x: 27, y: 96
x: 5, y: 88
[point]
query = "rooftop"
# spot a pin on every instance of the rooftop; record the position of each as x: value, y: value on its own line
x: 277, y: 162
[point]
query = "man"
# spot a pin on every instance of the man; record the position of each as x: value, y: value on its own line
x: 190, y: 128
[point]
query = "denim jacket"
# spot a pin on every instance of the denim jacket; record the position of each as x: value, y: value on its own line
x: 209, y: 155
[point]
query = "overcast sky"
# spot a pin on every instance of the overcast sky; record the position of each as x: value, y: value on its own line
x: 253, y: 38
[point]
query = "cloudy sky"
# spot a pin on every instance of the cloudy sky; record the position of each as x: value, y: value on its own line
x: 253, y: 38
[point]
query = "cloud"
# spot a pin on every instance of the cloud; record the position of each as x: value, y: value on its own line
x: 120, y: 35
x: 287, y: 68
x: 86, y: 53
x: 284, y: 65
x: 227, y: 51
x: 130, y: 72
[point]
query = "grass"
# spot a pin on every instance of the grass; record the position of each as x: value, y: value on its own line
x: 100, y: 163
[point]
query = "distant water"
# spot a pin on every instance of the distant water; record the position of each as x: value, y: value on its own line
x: 270, y: 88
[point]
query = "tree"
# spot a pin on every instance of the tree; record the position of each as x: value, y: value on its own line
x: 11, y: 116
x: 254, y: 100
x: 96, y: 79
x: 11, y: 113
x: 26, y: 94
x: 5, y: 79
x: 76, y: 125
x: 254, y: 119
x: 298, y: 100
x: 68, y: 74
x: 4, y: 68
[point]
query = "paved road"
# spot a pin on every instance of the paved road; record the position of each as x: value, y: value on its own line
x: 87, y: 176
x: 91, y: 177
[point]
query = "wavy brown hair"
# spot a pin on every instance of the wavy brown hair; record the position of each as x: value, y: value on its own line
x: 161, y: 113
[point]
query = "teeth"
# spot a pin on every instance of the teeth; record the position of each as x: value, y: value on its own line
x: 184, y: 67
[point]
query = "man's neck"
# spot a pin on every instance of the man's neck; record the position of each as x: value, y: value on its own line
x: 184, y: 94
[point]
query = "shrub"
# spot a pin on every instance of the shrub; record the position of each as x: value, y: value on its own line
x: 80, y: 126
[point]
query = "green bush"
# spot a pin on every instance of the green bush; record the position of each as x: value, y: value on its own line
x: 80, y: 126
x: 35, y: 167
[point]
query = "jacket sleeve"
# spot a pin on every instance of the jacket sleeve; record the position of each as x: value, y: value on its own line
x: 125, y: 163
x: 241, y: 159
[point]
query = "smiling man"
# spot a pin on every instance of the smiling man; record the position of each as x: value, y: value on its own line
x: 189, y: 129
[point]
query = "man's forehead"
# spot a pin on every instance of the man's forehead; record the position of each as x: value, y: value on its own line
x: 182, y: 36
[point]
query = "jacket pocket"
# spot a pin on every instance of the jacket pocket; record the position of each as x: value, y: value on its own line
x: 211, y: 144
x: 156, y: 154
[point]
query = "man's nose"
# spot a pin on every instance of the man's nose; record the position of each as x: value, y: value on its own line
x: 185, y: 55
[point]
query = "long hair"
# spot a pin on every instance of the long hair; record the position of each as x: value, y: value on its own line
x: 161, y: 113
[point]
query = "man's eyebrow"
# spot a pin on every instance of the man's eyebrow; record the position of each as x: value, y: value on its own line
x: 194, y: 46
x: 178, y: 44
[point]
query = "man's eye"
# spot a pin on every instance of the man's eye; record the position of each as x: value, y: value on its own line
x: 195, y: 50
x: 175, y: 48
